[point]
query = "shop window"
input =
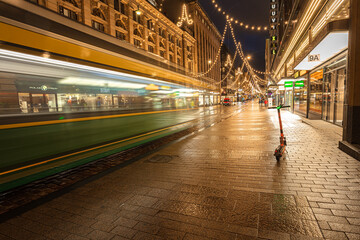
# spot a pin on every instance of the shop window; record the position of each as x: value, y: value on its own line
x: 98, y: 13
x: 98, y: 26
x: 68, y: 13
x: 120, y: 35
x: 151, y: 49
x: 137, y: 43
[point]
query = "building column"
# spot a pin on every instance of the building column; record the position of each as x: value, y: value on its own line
x: 351, y: 133
x: 86, y: 12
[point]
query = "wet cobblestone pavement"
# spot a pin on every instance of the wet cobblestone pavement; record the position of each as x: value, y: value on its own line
x: 221, y: 183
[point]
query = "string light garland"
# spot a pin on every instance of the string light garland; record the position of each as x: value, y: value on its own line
x: 253, y: 77
x: 213, y: 63
x: 184, y: 17
x: 237, y: 22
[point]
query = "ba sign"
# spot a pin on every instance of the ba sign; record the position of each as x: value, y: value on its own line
x: 314, y: 58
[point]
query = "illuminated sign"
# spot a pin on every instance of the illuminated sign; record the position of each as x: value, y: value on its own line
x: 299, y: 84
x: 288, y: 84
x: 274, y: 8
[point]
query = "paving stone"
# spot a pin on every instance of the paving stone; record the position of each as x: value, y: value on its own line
x: 334, y: 235
x: 222, y: 183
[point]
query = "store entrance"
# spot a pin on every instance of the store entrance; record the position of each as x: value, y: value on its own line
x: 333, y: 96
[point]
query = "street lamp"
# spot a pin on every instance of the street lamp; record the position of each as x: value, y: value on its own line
x: 138, y: 12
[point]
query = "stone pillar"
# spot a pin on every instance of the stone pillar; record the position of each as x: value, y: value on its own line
x: 111, y: 20
x: 86, y: 12
x: 351, y: 134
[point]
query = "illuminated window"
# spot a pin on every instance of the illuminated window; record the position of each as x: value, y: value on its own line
x: 68, y: 13
x: 137, y: 43
x: 98, y: 26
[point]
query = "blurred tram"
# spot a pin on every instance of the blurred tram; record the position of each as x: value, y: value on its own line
x: 51, y: 86
x: 53, y: 111
x: 70, y: 94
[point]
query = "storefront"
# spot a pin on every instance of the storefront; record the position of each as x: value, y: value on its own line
x: 323, y: 93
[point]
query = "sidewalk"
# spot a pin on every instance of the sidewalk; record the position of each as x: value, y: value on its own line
x: 220, y: 183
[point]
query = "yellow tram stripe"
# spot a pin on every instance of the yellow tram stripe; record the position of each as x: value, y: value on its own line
x: 32, y: 124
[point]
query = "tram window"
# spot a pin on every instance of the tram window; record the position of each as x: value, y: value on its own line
x: 24, y: 102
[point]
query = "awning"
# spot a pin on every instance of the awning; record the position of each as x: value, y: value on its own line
x: 332, y: 44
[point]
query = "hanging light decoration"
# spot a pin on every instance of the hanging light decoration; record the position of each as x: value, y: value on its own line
x: 184, y: 17
x: 239, y: 23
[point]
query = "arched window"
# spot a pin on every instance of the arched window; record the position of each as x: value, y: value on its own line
x: 97, y: 12
x: 150, y: 39
x: 120, y: 23
x: 162, y: 45
x: 73, y: 2
x: 137, y: 32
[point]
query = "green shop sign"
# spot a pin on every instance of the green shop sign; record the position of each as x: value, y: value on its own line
x: 288, y: 84
x: 299, y: 84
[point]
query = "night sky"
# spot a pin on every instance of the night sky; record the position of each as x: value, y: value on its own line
x: 252, y: 12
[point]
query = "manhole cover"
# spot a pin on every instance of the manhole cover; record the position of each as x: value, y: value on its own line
x: 160, y: 159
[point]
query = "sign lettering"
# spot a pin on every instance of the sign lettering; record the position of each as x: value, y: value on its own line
x: 314, y: 58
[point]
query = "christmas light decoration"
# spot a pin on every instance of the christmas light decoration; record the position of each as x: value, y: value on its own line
x: 184, y: 17
x: 242, y: 24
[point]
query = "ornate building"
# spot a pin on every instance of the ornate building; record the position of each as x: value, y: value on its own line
x: 138, y: 22
x: 208, y: 41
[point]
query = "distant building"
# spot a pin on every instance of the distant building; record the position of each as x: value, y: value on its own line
x: 208, y: 41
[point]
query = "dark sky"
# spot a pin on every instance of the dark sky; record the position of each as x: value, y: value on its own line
x: 252, y: 12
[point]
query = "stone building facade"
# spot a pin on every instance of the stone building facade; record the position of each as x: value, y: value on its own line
x: 208, y: 41
x: 138, y: 22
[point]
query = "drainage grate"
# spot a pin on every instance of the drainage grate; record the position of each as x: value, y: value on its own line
x: 160, y: 159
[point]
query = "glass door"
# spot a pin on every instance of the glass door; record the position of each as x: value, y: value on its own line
x: 339, y: 96
x: 326, y: 97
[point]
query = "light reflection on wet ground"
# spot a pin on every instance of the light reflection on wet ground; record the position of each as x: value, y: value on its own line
x: 222, y: 183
